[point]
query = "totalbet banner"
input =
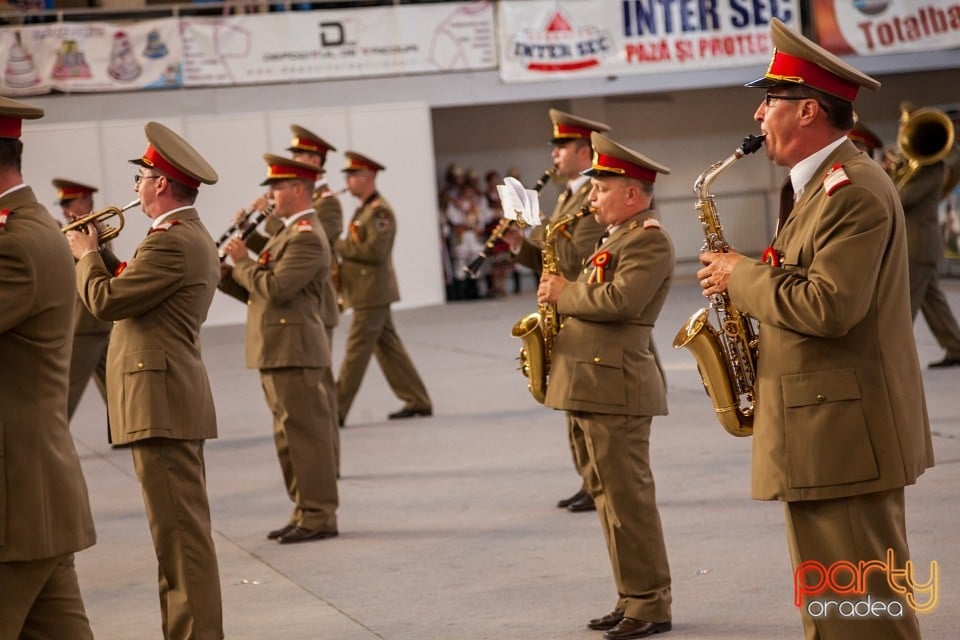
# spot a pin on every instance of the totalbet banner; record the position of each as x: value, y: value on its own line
x: 871, y: 27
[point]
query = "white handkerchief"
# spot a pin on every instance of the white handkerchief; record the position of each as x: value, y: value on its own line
x: 519, y: 203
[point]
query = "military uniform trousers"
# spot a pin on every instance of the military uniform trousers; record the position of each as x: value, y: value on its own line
x: 40, y: 600
x: 854, y: 529
x: 614, y: 460
x: 303, y: 423
x: 927, y: 297
x: 88, y: 358
x: 330, y: 386
x: 372, y: 333
x: 173, y: 480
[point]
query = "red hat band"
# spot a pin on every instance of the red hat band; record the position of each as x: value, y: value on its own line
x: 152, y: 158
x: 570, y: 131
x: 69, y: 193
x: 289, y: 172
x: 611, y: 164
x: 787, y: 68
x: 356, y: 164
x: 10, y: 127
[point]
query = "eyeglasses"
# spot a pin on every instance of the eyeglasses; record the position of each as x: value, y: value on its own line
x: 769, y: 98
x: 137, y: 179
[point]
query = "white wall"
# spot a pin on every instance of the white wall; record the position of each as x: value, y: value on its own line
x: 397, y: 135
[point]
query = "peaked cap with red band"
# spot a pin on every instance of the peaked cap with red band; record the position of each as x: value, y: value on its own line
x: 797, y: 60
x: 12, y: 115
x: 173, y: 156
x: 306, y: 141
x: 568, y: 127
x: 280, y: 168
x: 861, y: 135
x: 360, y: 162
x: 70, y: 190
x: 611, y: 159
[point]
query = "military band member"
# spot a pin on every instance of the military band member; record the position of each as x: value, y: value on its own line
x: 921, y: 197
x: 840, y: 425
x: 369, y: 285
x: 44, y: 509
x: 571, y: 153
x: 159, y: 394
x: 284, y: 289
x: 90, y: 336
x: 605, y: 376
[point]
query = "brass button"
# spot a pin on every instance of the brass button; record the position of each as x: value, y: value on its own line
x: 283, y: 321
x: 140, y: 365
x: 596, y: 359
x: 821, y: 397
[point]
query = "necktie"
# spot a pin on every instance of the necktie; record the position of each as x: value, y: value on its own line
x: 603, y: 238
x: 786, y: 203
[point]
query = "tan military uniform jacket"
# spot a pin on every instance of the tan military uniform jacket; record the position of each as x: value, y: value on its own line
x: 87, y: 323
x: 156, y: 381
x: 602, y: 361
x: 285, y: 289
x: 920, y: 198
x: 44, y: 507
x: 574, y: 243
x: 840, y: 408
x: 367, y: 278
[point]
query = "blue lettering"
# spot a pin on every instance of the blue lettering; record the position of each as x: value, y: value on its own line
x: 709, y: 20
x: 741, y: 17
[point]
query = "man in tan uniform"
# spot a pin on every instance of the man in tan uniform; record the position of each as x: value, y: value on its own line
x: 369, y: 286
x: 571, y: 153
x: 840, y: 425
x: 90, y: 335
x: 44, y: 509
x: 159, y: 394
x: 284, y: 290
x: 605, y: 376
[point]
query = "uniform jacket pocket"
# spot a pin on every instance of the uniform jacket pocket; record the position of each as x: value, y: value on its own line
x: 145, y: 397
x: 598, y: 374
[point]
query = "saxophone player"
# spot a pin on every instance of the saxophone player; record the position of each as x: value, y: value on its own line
x: 604, y: 374
x: 571, y: 153
x: 840, y: 425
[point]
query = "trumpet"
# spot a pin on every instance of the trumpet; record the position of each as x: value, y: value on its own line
x: 105, y: 232
x: 473, y: 269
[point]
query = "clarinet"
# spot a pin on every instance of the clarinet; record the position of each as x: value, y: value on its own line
x: 473, y: 269
x: 258, y: 217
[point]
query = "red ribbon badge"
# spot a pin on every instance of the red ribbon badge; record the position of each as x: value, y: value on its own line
x: 119, y: 269
x: 771, y: 257
x: 264, y: 259
x: 4, y: 214
x: 600, y: 261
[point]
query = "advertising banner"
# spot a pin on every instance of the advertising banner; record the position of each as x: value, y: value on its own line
x: 871, y: 27
x: 550, y: 39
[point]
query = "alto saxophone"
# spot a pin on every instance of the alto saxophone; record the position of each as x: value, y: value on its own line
x: 539, y: 329
x: 726, y: 358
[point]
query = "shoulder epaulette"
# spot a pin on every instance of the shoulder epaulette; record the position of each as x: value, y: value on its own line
x: 651, y: 223
x: 304, y: 225
x: 165, y: 226
x: 835, y: 179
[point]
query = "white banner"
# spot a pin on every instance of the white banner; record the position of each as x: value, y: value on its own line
x: 886, y: 26
x: 550, y: 39
x: 320, y: 45
x: 90, y: 56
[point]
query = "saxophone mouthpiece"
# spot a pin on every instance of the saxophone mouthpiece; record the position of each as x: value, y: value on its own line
x: 751, y: 143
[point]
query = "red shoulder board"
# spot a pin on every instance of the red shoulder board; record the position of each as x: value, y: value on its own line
x: 326, y: 192
x: 4, y: 214
x: 836, y: 177
x: 304, y: 225
x: 120, y: 269
x: 164, y: 226
x: 651, y: 223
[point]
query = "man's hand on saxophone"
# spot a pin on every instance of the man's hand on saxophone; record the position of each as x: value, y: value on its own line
x: 715, y: 275
x: 550, y: 287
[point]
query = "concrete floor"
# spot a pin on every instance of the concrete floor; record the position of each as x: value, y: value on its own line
x: 448, y: 527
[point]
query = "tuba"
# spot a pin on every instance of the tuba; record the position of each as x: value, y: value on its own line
x: 726, y: 358
x: 106, y: 232
x: 539, y: 329
x: 473, y: 269
x: 926, y: 137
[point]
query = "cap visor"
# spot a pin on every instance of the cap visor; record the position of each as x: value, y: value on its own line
x: 762, y: 83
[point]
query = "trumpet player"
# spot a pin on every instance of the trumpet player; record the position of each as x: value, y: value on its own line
x: 44, y: 506
x: 921, y: 197
x: 604, y: 375
x: 284, y: 289
x: 840, y: 424
x: 571, y: 153
x: 160, y: 400
x: 90, y: 335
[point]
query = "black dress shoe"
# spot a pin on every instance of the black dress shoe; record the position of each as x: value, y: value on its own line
x: 948, y: 361
x: 606, y: 622
x: 276, y: 533
x: 299, y: 534
x: 410, y: 413
x: 630, y: 628
x: 566, y: 502
x: 583, y: 504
